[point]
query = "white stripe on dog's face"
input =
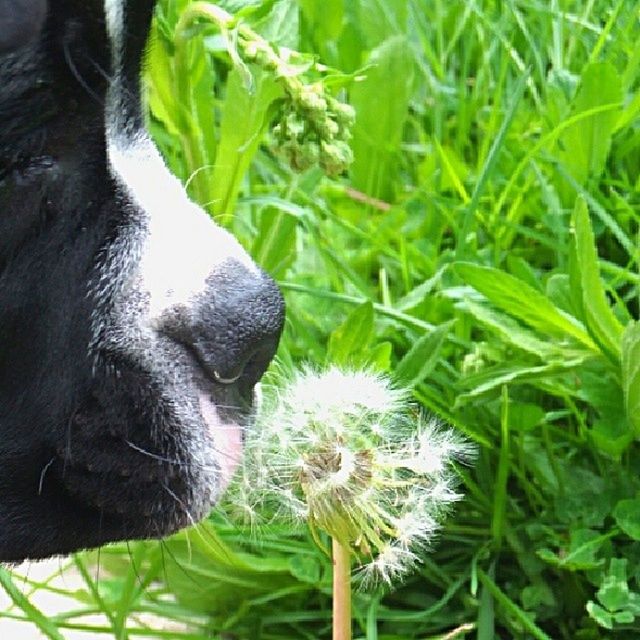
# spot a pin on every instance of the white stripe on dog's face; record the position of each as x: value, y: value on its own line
x: 181, y: 245
x: 114, y: 15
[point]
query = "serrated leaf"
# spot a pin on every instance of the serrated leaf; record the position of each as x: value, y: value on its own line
x: 512, y: 331
x: 600, y: 615
x: 558, y: 290
x: 631, y: 374
x: 420, y: 360
x: 419, y: 293
x: 602, y: 324
x: 512, y: 373
x: 353, y: 336
x: 523, y: 301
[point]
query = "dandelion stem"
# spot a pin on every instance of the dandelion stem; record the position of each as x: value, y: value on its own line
x: 341, y: 591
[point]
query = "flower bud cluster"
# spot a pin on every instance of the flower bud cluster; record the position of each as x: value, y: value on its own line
x: 314, y: 128
x: 344, y: 452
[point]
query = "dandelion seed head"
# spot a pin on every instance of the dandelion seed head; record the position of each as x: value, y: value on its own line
x: 343, y: 450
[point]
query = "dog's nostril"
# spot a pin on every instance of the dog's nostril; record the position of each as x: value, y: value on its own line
x: 226, y: 380
x: 241, y: 363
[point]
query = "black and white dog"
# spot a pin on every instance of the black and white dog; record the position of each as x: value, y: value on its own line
x: 132, y: 329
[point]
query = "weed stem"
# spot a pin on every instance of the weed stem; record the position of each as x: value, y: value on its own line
x: 341, y: 591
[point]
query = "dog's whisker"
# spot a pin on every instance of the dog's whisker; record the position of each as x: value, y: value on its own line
x: 77, y: 75
x: 43, y: 473
x: 185, y: 509
x: 183, y: 463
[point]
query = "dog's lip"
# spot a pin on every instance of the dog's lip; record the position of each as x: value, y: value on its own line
x: 226, y: 436
x: 224, y: 430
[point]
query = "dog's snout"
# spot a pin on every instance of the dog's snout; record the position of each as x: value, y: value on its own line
x: 233, y: 326
x: 202, y: 288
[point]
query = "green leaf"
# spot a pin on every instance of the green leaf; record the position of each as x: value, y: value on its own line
x: 305, y: 568
x: 600, y: 386
x: 524, y: 416
x: 537, y: 595
x: 380, y: 19
x: 513, y: 610
x: 522, y: 301
x: 558, y: 290
x: 602, y: 324
x: 627, y: 515
x: 325, y: 17
x: 600, y: 615
x: 280, y: 26
x: 631, y: 374
x: 514, y: 372
x: 584, y: 146
x: 380, y: 356
x: 41, y: 621
x: 585, y: 497
x: 611, y: 436
x: 353, y: 336
x: 421, y: 359
x: 619, y: 603
x: 381, y: 101
x: 511, y: 331
x: 244, y: 120
x: 418, y: 294
x: 275, y: 246
x: 614, y: 593
x: 623, y: 617
x: 582, y: 552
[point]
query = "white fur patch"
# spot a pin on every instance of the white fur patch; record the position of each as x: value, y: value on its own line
x: 182, y: 246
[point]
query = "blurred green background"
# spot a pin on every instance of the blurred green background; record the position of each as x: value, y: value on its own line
x: 483, y: 249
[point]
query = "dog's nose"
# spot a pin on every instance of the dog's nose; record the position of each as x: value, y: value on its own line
x: 232, y: 326
x: 235, y: 324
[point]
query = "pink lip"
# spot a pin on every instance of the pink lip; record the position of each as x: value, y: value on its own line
x: 227, y: 439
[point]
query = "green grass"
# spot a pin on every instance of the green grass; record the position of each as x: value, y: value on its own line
x: 483, y: 248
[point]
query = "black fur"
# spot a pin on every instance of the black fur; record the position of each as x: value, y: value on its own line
x: 102, y: 436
